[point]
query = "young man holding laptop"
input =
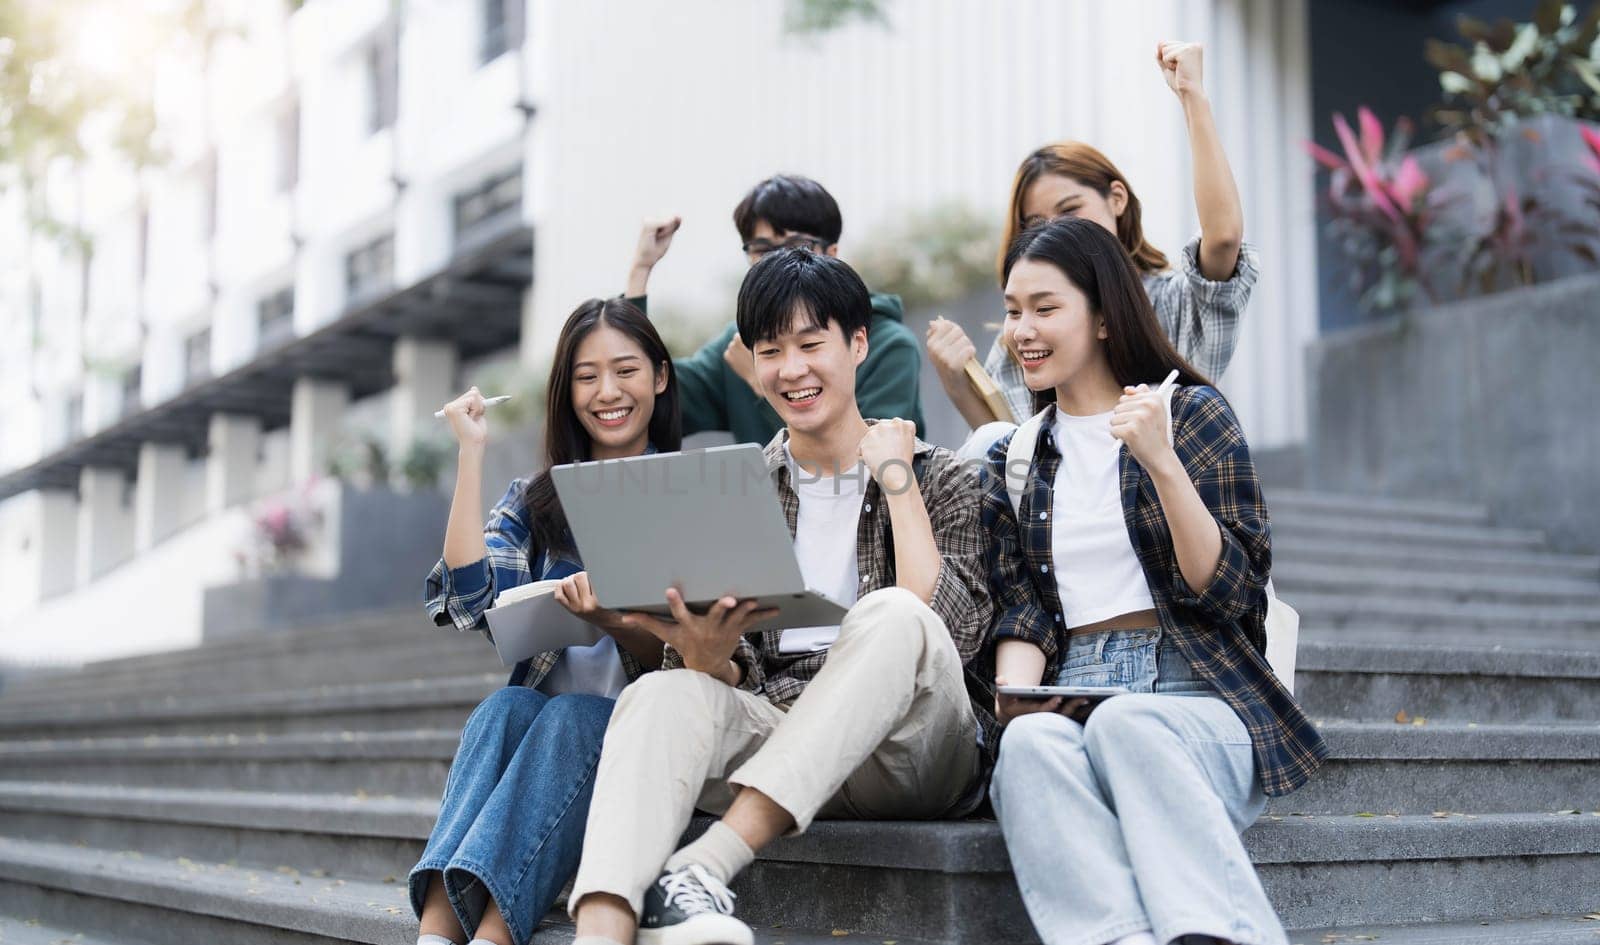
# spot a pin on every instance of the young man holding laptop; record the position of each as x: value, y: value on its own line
x: 880, y: 717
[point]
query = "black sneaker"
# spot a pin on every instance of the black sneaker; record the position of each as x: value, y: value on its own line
x: 690, y: 907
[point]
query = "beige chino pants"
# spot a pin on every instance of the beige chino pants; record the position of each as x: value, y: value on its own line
x: 883, y: 731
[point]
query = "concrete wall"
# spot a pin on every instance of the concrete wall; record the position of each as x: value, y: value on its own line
x: 1487, y: 400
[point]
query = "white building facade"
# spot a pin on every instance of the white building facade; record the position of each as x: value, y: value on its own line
x: 388, y: 188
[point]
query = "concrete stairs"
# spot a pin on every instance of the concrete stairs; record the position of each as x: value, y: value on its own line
x: 277, y: 789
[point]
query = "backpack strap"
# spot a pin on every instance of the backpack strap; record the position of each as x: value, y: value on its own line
x: 1019, y: 459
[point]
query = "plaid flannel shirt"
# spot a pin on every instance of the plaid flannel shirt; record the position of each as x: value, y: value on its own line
x: 960, y: 594
x: 1199, y: 315
x: 1220, y: 630
x: 459, y: 596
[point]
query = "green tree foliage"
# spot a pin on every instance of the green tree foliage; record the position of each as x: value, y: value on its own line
x: 815, y: 17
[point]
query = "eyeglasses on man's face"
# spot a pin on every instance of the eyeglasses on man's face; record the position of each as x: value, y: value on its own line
x: 758, y: 247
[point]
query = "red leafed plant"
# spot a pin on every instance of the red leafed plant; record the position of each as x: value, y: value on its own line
x: 1381, y: 206
x: 282, y: 528
x: 1591, y: 137
x: 1530, y: 228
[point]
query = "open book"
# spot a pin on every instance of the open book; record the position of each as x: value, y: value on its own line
x: 526, y: 620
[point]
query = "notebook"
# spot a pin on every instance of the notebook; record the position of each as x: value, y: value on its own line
x: 527, y: 620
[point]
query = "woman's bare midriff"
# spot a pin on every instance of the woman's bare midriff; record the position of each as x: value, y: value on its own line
x: 1137, y: 620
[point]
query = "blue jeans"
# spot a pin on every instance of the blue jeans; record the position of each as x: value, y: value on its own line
x: 1132, y: 821
x: 511, y: 822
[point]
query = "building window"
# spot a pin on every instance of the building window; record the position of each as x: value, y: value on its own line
x: 132, y: 380
x: 502, y: 26
x: 370, y: 267
x: 494, y: 200
x: 197, y: 357
x: 383, y: 81
x: 289, y: 146
x: 275, y: 318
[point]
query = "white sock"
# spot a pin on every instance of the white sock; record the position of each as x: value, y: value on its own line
x: 1137, y: 938
x: 433, y: 940
x: 720, y: 850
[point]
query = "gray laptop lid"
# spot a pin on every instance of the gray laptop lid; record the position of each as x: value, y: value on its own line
x: 706, y: 521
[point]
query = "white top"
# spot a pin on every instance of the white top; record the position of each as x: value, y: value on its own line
x: 825, y: 544
x: 1097, y: 574
x: 595, y: 670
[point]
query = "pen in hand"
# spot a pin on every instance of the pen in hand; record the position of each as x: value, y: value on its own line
x: 487, y: 402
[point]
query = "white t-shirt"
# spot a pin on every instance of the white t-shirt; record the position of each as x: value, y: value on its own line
x: 595, y: 670
x: 825, y: 544
x: 1098, y: 576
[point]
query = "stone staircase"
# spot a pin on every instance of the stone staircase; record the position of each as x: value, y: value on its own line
x: 277, y: 789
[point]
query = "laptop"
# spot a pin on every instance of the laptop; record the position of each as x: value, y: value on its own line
x: 707, y: 522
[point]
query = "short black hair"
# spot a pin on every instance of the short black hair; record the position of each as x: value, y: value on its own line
x: 792, y: 204
x: 792, y: 284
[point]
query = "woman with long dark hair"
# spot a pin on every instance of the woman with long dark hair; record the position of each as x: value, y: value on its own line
x: 510, y: 827
x: 1131, y: 548
x: 1197, y: 302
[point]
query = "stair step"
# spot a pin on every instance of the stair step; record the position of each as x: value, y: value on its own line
x: 1318, y: 872
x: 311, y: 638
x: 30, y: 930
x: 1401, y: 533
x: 1390, y: 609
x: 1343, y: 504
x: 1384, y: 767
x: 1540, y: 930
x: 428, y: 659
x: 1378, y: 766
x: 142, y: 900
x: 1293, y: 578
x: 412, y: 703
x: 1344, y: 679
x: 1337, y: 680
x: 1445, y: 557
x: 938, y: 881
x: 194, y: 901
x: 1449, y: 636
x: 407, y: 762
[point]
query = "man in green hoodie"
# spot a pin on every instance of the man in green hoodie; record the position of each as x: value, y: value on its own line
x: 716, y: 385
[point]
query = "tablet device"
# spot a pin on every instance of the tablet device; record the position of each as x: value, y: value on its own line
x: 707, y: 522
x: 1066, y: 692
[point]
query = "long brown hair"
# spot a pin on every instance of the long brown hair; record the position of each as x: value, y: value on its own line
x: 1137, y: 349
x: 1087, y: 166
x: 565, y: 439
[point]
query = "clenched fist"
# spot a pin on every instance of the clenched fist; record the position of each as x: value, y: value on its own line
x: 887, y: 450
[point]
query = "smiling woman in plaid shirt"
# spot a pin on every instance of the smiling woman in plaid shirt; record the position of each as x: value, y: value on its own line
x: 511, y: 822
x: 1138, y: 558
x: 1198, y: 301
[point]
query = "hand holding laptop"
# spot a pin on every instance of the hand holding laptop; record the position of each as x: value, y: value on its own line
x: 705, y: 641
x: 705, y: 522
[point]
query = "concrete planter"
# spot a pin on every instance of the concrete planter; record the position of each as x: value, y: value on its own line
x: 1491, y: 400
x: 385, y: 543
x: 379, y: 547
x: 1547, y: 161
